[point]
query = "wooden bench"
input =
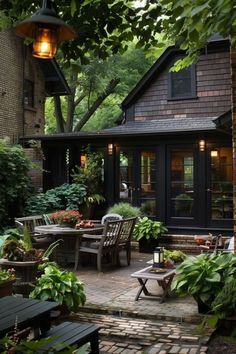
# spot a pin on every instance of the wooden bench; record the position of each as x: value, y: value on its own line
x: 72, y: 333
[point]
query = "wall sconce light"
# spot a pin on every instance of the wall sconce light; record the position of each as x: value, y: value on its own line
x: 158, y: 257
x: 83, y: 160
x: 214, y: 153
x: 110, y: 149
x: 202, y: 145
x: 47, y: 30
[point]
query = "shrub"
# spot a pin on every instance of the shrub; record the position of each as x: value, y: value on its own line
x: 15, y: 184
x: 126, y: 210
x: 67, y: 196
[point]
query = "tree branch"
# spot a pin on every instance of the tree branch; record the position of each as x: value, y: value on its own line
x: 108, y: 90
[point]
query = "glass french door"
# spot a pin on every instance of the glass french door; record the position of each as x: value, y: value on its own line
x: 220, y: 187
x: 138, y: 181
x: 181, y: 186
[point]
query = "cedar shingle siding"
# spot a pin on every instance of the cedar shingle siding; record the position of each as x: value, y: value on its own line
x: 213, y: 93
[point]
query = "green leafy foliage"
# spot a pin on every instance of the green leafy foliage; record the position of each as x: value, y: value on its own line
x: 66, y: 196
x: 224, y: 304
x: 6, y: 275
x: 15, y: 184
x: 61, y: 286
x: 148, y: 229
x: 26, y: 346
x: 126, y: 210
x: 204, y: 276
x: 176, y: 256
x: 90, y: 175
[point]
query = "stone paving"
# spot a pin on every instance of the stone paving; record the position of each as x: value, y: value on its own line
x: 144, y: 326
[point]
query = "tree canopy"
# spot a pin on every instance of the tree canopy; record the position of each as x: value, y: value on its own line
x: 101, y: 26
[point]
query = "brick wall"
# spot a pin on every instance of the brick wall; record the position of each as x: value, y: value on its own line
x: 213, y: 92
x: 13, y: 68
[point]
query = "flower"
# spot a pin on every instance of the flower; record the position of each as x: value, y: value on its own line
x: 66, y: 216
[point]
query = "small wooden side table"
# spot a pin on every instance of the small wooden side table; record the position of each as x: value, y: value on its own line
x: 164, y: 279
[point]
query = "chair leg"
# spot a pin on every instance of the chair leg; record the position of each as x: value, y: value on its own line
x: 99, y: 262
x: 128, y: 254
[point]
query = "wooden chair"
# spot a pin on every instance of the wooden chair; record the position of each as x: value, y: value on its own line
x: 30, y: 222
x: 102, y: 245
x: 124, y: 241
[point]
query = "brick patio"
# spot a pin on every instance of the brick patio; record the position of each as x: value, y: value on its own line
x: 144, y: 326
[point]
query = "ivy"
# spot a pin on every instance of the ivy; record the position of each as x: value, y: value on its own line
x: 15, y: 184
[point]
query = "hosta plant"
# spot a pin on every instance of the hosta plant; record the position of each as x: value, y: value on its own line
x: 148, y: 229
x: 204, y: 276
x: 61, y: 286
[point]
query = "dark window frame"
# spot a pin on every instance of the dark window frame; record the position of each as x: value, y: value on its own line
x: 28, y: 98
x: 193, y: 92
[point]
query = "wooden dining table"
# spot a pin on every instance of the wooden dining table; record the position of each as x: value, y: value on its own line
x: 69, y: 248
x: 26, y: 313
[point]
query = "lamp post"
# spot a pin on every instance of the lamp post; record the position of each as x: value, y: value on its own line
x: 47, y: 30
x: 158, y: 257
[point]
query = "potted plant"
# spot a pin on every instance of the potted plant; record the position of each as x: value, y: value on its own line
x: 20, y: 255
x: 147, y: 232
x: 61, y: 286
x: 7, y: 278
x: 66, y: 217
x: 203, y: 277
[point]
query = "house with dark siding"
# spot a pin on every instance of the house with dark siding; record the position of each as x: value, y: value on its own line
x: 172, y: 156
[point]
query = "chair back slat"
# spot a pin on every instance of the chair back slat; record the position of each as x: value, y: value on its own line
x: 127, y: 229
x: 111, y: 233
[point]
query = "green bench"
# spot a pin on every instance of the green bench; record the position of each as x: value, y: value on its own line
x: 72, y: 333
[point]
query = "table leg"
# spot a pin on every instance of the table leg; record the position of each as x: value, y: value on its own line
x: 165, y: 284
x: 142, y: 288
x: 77, y: 244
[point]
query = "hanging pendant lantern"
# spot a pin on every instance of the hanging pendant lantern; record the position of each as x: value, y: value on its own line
x: 47, y: 30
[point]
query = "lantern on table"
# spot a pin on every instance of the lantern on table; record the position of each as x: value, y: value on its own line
x: 158, y: 257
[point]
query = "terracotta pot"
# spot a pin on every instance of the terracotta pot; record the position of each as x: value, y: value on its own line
x: 6, y: 288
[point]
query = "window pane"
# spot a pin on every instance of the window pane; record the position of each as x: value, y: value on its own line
x: 126, y: 176
x: 181, y: 83
x: 148, y: 183
x: 182, y: 183
x: 221, y: 184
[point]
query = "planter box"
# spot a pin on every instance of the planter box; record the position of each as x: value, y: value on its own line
x: 6, y: 288
x: 26, y: 273
x: 147, y: 246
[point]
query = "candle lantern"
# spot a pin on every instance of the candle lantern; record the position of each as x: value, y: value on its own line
x: 158, y: 257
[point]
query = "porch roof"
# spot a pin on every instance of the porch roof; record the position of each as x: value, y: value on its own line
x: 55, y: 82
x: 152, y: 127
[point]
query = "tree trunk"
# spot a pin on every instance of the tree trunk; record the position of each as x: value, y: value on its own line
x: 233, y: 81
x: 58, y: 114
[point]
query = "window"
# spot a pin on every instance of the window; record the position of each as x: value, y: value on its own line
x: 182, y: 84
x: 29, y: 93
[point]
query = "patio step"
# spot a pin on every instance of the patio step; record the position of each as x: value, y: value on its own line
x: 184, y: 243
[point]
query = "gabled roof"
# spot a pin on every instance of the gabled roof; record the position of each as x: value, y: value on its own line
x: 162, y: 62
x: 55, y: 82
